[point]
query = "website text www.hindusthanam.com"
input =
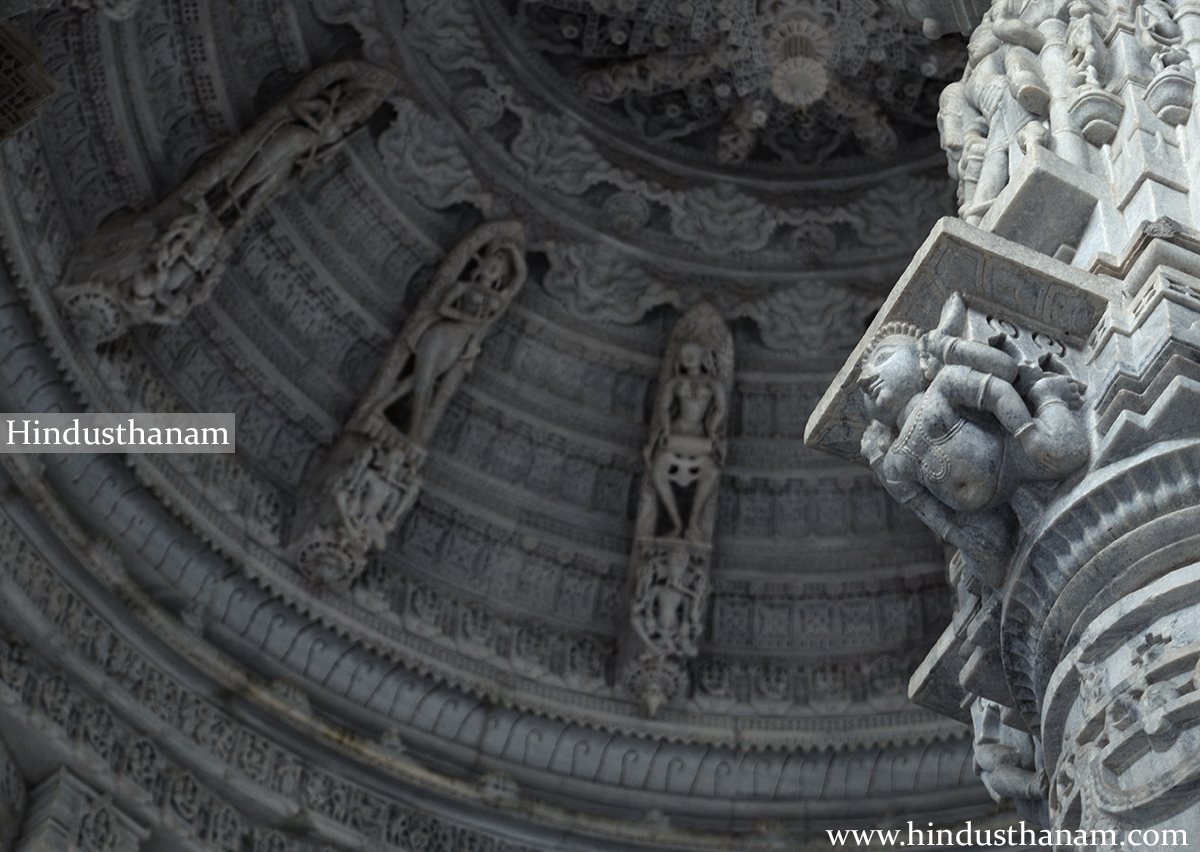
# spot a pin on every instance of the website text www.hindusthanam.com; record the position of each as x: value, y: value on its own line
x: 1019, y: 836
x: 57, y: 432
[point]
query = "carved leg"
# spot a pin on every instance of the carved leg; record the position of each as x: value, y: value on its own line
x: 661, y: 477
x: 705, y: 484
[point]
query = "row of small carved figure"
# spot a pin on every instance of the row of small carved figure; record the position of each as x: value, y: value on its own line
x: 1004, y: 97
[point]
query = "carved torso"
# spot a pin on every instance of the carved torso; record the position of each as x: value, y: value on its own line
x: 958, y: 461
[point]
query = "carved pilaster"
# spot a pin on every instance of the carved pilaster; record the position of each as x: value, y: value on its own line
x: 66, y: 815
x: 24, y: 83
x: 13, y: 796
x: 155, y: 267
x: 371, y: 478
x: 669, y: 582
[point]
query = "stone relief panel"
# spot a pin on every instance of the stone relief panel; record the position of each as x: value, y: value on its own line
x: 371, y: 478
x: 155, y: 267
x: 669, y: 572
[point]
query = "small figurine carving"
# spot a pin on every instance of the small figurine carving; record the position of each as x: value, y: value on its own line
x: 952, y: 438
x: 171, y: 257
x: 669, y: 583
x: 668, y: 607
x: 1005, y: 757
x: 1087, y: 58
x: 1003, y: 84
x: 369, y: 498
x: 373, y: 495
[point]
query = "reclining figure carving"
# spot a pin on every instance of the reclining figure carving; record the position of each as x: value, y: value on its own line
x: 958, y: 426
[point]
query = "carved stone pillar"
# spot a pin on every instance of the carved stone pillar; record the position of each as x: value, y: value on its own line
x: 1030, y: 390
x: 668, y: 573
x: 66, y: 815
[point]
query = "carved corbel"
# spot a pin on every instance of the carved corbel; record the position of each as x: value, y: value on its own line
x: 154, y: 267
x: 371, y: 478
x: 669, y: 583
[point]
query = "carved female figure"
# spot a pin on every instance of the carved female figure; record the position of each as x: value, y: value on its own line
x: 692, y: 407
x: 443, y: 336
x: 451, y: 334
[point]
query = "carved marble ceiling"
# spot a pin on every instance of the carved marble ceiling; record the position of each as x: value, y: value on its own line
x: 466, y: 678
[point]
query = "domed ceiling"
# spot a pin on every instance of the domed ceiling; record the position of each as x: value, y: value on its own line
x: 777, y: 160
